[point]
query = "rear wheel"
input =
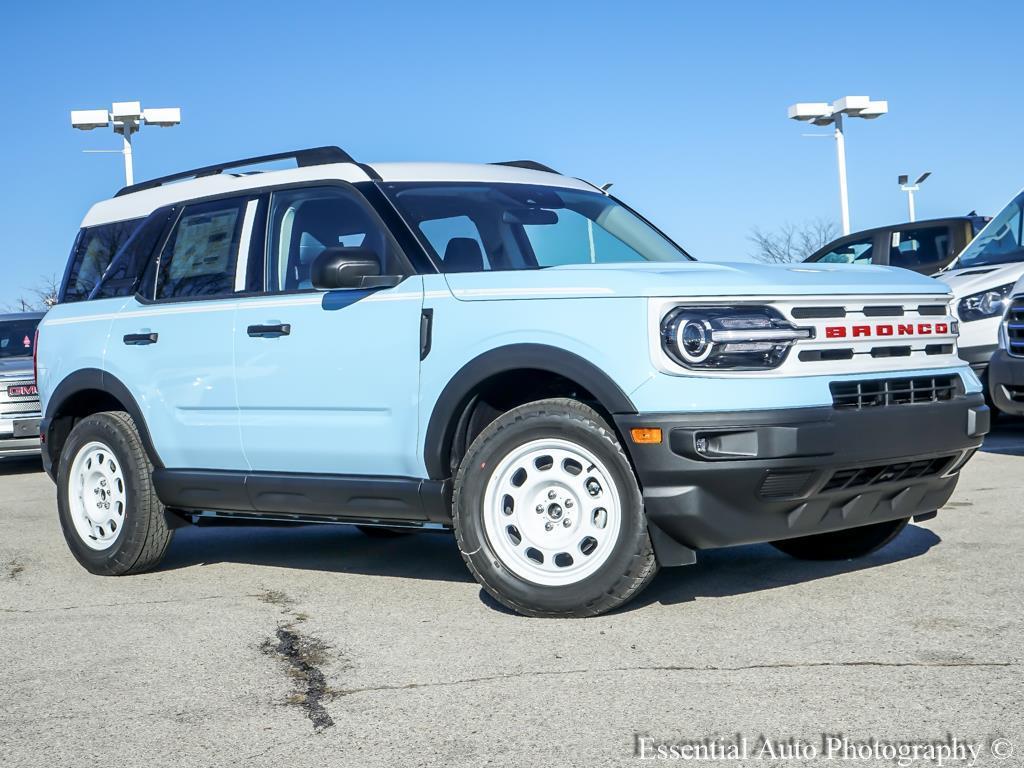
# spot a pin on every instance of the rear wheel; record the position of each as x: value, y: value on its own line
x: 112, y: 520
x: 843, y: 545
x: 548, y: 514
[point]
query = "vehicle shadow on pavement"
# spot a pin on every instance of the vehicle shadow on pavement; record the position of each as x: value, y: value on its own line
x: 21, y: 466
x: 342, y: 549
x: 335, y: 548
x: 741, y: 570
x: 1006, y: 437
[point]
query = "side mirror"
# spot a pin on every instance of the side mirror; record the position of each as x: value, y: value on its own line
x: 341, y: 267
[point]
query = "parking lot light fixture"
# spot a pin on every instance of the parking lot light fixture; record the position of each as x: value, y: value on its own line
x: 125, y: 117
x: 904, y: 181
x: 822, y: 113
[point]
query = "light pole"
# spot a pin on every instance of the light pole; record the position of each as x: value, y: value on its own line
x: 910, y: 189
x: 822, y: 113
x: 126, y: 117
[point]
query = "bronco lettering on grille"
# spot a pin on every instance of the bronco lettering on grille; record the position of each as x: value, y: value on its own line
x: 897, y: 329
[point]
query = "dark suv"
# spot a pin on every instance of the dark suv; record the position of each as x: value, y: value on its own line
x: 922, y: 246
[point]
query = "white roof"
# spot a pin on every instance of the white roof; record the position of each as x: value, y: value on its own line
x: 144, y: 202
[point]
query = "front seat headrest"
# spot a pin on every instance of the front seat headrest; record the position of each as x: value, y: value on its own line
x: 463, y: 254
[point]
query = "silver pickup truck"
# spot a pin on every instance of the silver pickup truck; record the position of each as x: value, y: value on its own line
x: 19, y: 399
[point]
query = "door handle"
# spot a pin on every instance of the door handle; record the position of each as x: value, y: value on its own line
x: 269, y: 331
x: 140, y: 339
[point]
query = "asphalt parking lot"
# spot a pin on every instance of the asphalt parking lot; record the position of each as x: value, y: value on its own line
x: 316, y: 646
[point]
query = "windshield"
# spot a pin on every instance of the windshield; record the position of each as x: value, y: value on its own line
x: 17, y: 336
x: 1001, y: 242
x: 477, y: 227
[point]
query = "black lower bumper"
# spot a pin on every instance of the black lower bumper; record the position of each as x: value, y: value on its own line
x: 1006, y: 382
x: 723, y: 479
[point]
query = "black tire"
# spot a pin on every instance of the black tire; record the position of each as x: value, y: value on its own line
x: 626, y: 571
x: 843, y: 545
x: 144, y: 536
x: 379, y: 532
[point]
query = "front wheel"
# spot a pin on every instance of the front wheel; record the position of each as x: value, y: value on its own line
x: 548, y: 514
x: 843, y: 545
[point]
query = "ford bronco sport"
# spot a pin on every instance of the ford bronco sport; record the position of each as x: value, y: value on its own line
x: 497, y: 350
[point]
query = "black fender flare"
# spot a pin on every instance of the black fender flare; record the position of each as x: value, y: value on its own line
x: 95, y: 379
x: 458, y: 391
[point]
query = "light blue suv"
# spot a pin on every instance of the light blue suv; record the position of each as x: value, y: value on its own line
x: 497, y: 350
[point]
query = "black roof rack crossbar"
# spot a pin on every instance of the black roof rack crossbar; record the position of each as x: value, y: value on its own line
x: 530, y: 165
x: 302, y: 158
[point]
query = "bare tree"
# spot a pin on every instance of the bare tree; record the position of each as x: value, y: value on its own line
x: 791, y: 242
x: 40, y: 297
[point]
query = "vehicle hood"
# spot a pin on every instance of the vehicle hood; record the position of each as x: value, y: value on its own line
x: 15, y: 366
x: 691, y: 279
x: 971, y: 280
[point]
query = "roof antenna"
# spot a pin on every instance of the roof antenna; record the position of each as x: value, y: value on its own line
x: 606, y: 186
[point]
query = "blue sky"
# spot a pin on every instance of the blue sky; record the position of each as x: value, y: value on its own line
x: 681, y: 104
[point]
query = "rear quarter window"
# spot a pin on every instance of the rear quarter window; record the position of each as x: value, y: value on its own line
x: 94, y: 248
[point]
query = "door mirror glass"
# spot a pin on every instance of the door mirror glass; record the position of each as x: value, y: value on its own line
x: 342, y: 267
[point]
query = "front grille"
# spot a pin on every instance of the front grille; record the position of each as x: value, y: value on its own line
x: 845, y: 479
x: 873, y: 393
x: 872, y: 334
x: 1015, y: 328
x: 19, y: 405
x: 11, y: 410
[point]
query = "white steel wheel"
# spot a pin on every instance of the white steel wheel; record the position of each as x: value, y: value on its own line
x: 96, y: 495
x: 552, y: 512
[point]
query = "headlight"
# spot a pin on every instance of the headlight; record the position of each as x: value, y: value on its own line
x: 714, y: 338
x: 991, y: 303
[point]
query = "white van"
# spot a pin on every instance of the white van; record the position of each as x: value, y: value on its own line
x: 982, y: 278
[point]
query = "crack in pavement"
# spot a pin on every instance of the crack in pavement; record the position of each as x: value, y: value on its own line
x: 120, y: 605
x: 670, y: 668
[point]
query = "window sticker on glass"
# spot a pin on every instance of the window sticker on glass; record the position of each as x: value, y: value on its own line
x: 203, y: 244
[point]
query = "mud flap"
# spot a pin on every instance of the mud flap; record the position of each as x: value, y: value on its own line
x: 667, y: 550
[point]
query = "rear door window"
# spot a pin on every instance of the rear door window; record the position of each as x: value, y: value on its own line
x: 920, y: 248
x: 93, y: 251
x: 200, y: 255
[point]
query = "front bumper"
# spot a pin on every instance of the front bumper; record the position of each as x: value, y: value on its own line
x: 1006, y: 382
x: 722, y: 479
x: 21, y: 446
x: 19, y: 435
